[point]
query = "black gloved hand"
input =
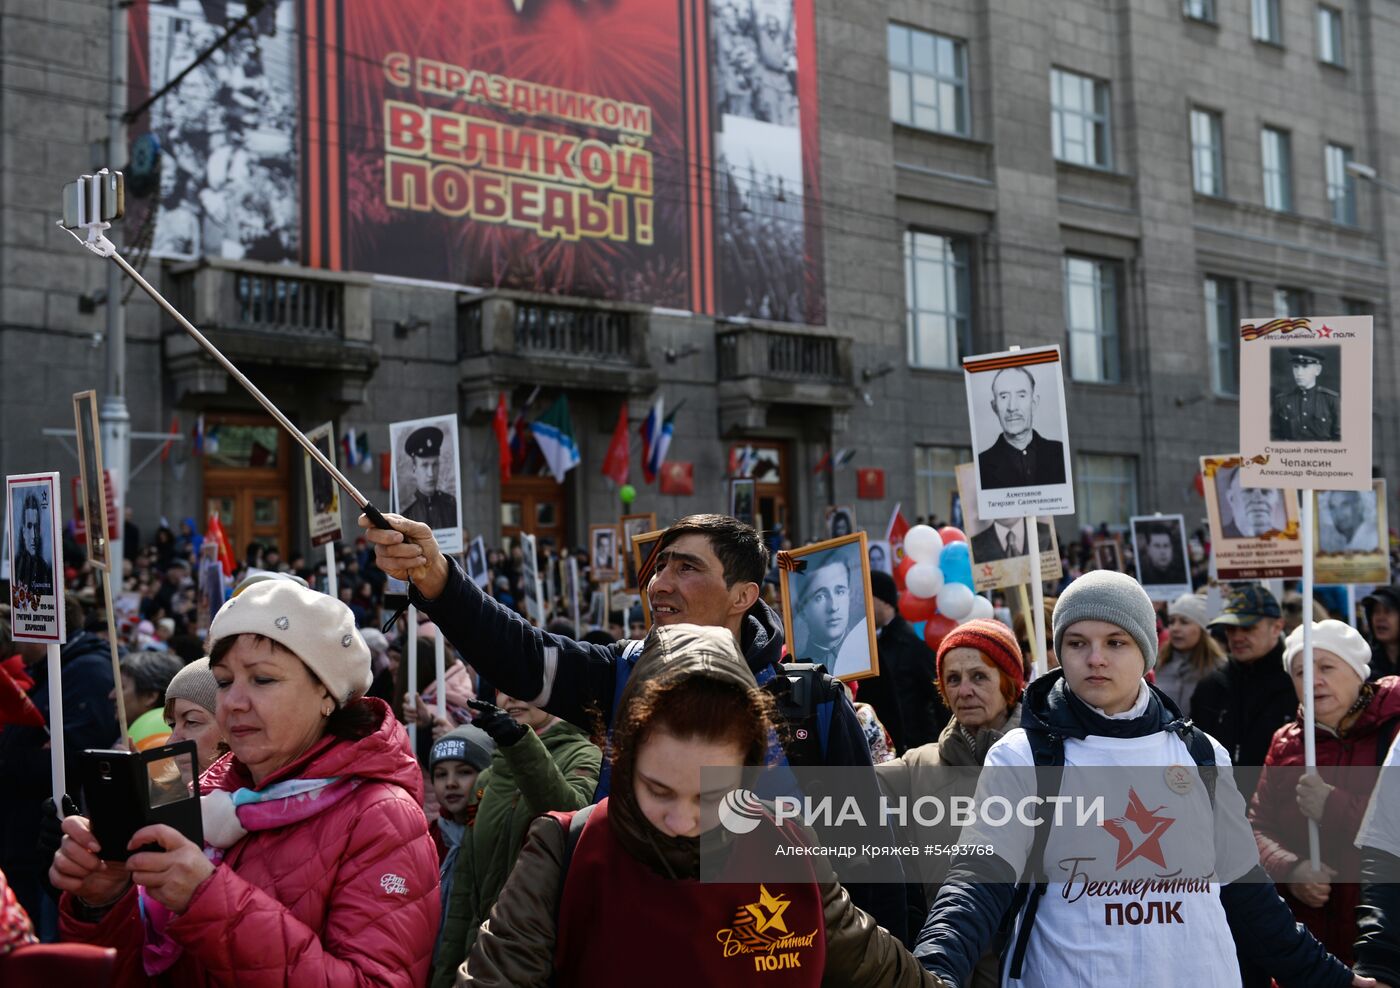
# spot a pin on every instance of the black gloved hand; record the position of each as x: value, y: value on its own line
x: 500, y: 725
x: 51, y: 836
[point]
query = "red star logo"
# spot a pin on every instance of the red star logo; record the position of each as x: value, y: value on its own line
x: 1140, y: 821
x: 1324, y: 330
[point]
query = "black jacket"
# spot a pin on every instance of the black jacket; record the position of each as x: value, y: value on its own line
x: 1041, y: 463
x: 1378, y: 917
x: 1242, y: 704
x: 905, y: 693
x: 89, y: 721
x: 978, y: 891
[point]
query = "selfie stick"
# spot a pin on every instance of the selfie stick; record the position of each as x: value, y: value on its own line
x: 1309, y: 719
x: 102, y: 247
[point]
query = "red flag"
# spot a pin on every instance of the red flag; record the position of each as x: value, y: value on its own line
x: 895, y: 535
x: 501, y: 425
x: 15, y: 705
x: 678, y: 478
x: 824, y: 463
x: 870, y: 483
x: 215, y: 530
x: 617, y: 463
x: 174, y: 431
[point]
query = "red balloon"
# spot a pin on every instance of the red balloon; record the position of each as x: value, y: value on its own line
x: 905, y: 565
x: 915, y: 609
x: 936, y: 628
x: 950, y: 534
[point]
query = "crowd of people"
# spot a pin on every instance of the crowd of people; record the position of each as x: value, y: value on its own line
x: 553, y: 798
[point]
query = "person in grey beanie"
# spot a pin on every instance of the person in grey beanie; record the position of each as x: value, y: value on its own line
x: 1096, y: 710
x: 190, y: 704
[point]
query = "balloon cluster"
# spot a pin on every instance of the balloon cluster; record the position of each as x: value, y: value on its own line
x: 935, y: 582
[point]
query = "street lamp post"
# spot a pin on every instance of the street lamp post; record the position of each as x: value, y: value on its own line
x: 1368, y: 173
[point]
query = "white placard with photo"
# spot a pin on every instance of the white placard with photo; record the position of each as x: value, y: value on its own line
x: 322, y: 494
x: 477, y: 569
x: 530, y: 577
x: 425, y: 482
x: 1254, y: 531
x: 1020, y: 436
x: 36, y: 566
x: 1305, y: 402
x: 1159, y: 552
x: 998, y: 548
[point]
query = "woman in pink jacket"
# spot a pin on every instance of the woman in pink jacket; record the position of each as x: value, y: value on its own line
x: 318, y: 868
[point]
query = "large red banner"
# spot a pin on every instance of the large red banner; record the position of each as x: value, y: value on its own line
x: 658, y: 151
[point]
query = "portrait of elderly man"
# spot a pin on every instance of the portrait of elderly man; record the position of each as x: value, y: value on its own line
x: 1347, y: 521
x: 1254, y: 511
x: 435, y: 508
x: 31, y: 569
x: 1020, y: 457
x: 1306, y: 411
x: 828, y: 614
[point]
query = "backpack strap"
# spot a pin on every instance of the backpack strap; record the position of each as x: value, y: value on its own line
x: 622, y: 672
x: 572, y: 832
x: 1202, y: 753
x: 1048, y: 752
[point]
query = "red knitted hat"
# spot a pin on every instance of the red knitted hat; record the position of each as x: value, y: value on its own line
x: 993, y: 639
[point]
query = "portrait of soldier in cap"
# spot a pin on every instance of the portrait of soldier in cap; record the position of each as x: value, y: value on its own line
x: 1302, y: 409
x: 435, y: 508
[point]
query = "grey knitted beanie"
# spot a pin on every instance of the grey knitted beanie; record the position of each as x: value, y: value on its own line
x: 1104, y: 595
x: 194, y: 683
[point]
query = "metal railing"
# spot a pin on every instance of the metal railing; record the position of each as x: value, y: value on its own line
x: 564, y: 331
x: 292, y: 306
x: 750, y: 351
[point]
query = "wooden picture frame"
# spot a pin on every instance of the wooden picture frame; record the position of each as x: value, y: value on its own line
x: 602, y: 552
x: 629, y: 526
x: 848, y: 650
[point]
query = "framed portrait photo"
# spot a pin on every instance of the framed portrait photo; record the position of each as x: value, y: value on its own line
x: 631, y: 526
x: 1160, y: 557
x: 1351, y: 537
x: 741, y: 499
x: 36, y: 565
x: 602, y: 552
x: 92, y: 489
x: 643, y: 554
x: 425, y: 476
x: 1108, y: 554
x: 1020, y: 440
x: 840, y: 520
x: 828, y: 615
x: 1254, y: 531
x: 1000, y: 549
x: 478, y: 571
x: 879, y: 552
x: 322, y: 494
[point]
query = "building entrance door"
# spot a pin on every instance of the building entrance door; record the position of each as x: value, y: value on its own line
x: 246, y: 481
x: 534, y: 505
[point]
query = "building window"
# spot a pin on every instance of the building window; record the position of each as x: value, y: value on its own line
x: 928, y: 80
x: 936, y: 480
x: 1356, y: 307
x: 1199, y: 10
x: 1207, y: 153
x: 1341, y: 185
x: 1105, y: 489
x: 1278, y: 169
x: 1290, y: 302
x: 1222, y: 323
x: 938, y: 291
x: 1329, y: 35
x: 1079, y: 119
x: 1091, y: 315
x: 1268, y: 21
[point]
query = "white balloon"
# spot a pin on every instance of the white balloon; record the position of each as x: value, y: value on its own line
x: 922, y: 544
x: 955, y: 601
x: 924, y: 580
x: 981, y: 608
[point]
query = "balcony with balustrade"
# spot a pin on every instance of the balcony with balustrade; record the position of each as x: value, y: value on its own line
x: 290, y: 318
x: 762, y: 365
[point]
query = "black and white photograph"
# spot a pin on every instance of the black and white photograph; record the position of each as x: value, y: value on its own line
x: 879, y: 553
x: 1307, y: 383
x: 1351, y: 543
x: 1254, y: 532
x: 1000, y: 556
x: 631, y: 526
x: 596, y: 616
x: 323, y: 496
x: 741, y: 499
x: 828, y: 615
x: 530, y: 577
x: 426, y: 476
x: 1248, y: 512
x: 1016, y: 411
x: 1159, y: 552
x: 1304, y: 403
x: 840, y: 520
x: 602, y: 552
x: 478, y: 571
x: 36, y: 588
x: 1108, y: 554
x: 230, y: 145
x: 92, y: 491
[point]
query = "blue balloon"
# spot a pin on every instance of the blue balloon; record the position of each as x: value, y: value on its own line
x: 956, y: 563
x: 918, y: 627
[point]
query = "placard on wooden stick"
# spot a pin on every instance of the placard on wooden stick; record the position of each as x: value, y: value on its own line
x: 36, y: 567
